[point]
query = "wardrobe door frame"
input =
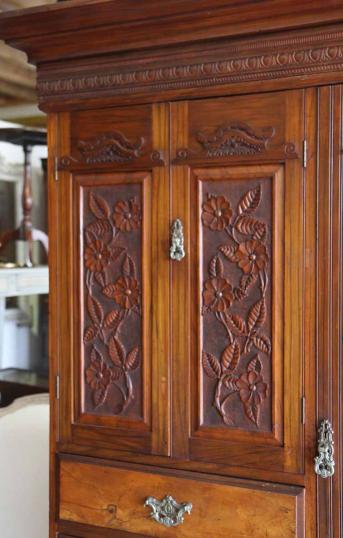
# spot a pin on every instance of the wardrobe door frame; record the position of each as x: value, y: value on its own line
x: 75, y: 428
x: 191, y: 165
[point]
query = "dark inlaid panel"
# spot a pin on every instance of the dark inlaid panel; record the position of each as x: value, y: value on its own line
x: 112, y: 300
x: 236, y: 236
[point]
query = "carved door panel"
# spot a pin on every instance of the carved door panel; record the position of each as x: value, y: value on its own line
x: 112, y: 183
x: 238, y: 188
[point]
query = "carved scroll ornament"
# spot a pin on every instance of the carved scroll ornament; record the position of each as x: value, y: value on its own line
x: 110, y: 147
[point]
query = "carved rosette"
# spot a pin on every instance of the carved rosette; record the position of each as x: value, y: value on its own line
x: 235, y: 309
x: 112, y: 299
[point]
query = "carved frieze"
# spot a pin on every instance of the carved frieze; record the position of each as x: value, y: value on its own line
x: 294, y: 55
x: 234, y: 139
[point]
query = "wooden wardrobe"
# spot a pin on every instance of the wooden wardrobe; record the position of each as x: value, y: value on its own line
x: 195, y: 210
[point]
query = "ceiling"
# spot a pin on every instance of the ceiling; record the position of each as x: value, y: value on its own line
x: 17, y: 77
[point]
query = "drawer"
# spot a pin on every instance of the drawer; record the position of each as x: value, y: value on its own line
x: 113, y: 497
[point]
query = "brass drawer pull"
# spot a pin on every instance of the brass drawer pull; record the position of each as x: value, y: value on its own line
x: 324, y: 463
x: 177, y: 251
x: 168, y: 512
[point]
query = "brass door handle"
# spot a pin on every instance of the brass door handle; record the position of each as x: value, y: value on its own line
x: 324, y: 463
x: 177, y: 250
x: 168, y: 512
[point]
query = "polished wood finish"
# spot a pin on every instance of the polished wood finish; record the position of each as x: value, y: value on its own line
x: 216, y: 504
x: 225, y: 419
x: 226, y: 115
x: 114, y: 222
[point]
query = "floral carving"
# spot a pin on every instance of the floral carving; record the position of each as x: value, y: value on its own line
x: 216, y: 213
x: 251, y: 256
x: 109, y: 363
x: 237, y: 373
x: 97, y: 256
x: 124, y: 291
x: 126, y: 215
x: 217, y: 294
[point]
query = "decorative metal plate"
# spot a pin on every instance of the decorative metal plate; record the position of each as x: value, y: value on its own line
x: 168, y: 512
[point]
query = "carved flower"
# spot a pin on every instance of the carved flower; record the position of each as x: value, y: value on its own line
x: 217, y: 294
x: 127, y: 215
x: 98, y: 374
x: 216, y: 213
x: 97, y: 256
x: 252, y: 389
x: 124, y: 291
x: 251, y: 256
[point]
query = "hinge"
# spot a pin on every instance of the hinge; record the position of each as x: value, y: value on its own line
x: 57, y: 387
x: 56, y: 169
x: 303, y: 409
x: 304, y: 153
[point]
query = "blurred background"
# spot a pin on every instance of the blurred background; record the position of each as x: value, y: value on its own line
x: 23, y: 285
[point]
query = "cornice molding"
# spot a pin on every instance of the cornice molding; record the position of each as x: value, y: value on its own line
x: 295, y: 54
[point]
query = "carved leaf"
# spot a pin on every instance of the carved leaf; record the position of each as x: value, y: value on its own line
x: 95, y: 310
x: 97, y: 229
x: 262, y: 343
x: 98, y: 206
x: 230, y: 383
x: 251, y: 226
x: 96, y: 356
x: 252, y: 410
x: 255, y: 365
x: 245, y: 283
x: 257, y: 314
x: 99, y: 396
x: 116, y: 373
x: 250, y: 201
x: 247, y: 280
x: 129, y: 268
x: 89, y: 334
x: 231, y: 356
x: 239, y: 294
x: 132, y: 360
x: 248, y: 345
x: 116, y: 351
x: 211, y: 365
x: 109, y: 290
x: 113, y: 319
x: 216, y: 267
x: 229, y: 252
x: 237, y: 323
x: 116, y: 252
x: 99, y: 277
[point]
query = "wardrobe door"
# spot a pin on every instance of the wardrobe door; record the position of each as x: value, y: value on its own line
x: 238, y: 294
x: 112, y: 278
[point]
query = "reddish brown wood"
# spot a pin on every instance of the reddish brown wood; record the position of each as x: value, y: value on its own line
x: 123, y: 508
x: 112, y: 382
x: 180, y: 111
x: 221, y: 429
